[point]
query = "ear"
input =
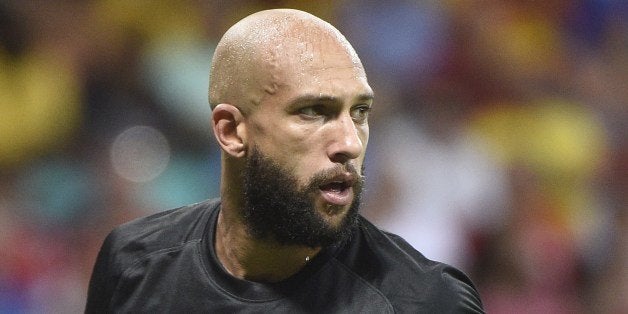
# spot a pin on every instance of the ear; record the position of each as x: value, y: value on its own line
x: 229, y: 129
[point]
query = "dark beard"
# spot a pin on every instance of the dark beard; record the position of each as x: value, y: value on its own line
x: 276, y: 209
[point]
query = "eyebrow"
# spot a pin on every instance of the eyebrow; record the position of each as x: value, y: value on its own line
x: 329, y: 98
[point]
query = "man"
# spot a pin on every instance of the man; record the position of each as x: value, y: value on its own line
x: 290, y: 105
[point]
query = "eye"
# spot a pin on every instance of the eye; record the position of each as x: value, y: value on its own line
x: 360, y: 113
x: 312, y: 111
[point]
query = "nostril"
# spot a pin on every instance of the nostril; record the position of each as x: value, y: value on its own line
x: 340, y: 158
x: 344, y: 151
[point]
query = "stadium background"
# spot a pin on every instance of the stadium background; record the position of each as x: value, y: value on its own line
x: 498, y: 137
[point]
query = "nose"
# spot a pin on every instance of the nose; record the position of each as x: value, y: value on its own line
x: 345, y: 142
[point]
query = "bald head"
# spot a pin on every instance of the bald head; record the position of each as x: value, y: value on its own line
x: 255, y: 55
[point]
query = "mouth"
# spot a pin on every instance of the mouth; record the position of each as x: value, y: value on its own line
x: 338, y: 190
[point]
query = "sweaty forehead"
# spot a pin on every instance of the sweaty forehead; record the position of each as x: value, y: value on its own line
x: 270, y: 49
x: 295, y: 37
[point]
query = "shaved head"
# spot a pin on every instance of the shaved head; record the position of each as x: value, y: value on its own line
x: 290, y: 103
x: 255, y: 55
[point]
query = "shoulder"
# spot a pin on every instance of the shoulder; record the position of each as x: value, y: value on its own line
x: 130, y: 242
x: 163, y: 230
x: 407, y: 278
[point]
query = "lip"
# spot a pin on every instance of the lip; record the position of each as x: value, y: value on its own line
x: 338, y: 197
x: 339, y: 190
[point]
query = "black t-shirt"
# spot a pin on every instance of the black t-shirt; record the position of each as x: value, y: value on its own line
x: 166, y: 263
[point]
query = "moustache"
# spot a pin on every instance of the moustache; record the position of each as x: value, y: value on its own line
x: 346, y: 173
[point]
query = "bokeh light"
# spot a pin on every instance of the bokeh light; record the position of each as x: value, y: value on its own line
x: 140, y: 154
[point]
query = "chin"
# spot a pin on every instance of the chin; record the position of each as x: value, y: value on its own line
x: 334, y: 215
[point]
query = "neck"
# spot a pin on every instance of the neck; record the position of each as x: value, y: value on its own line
x: 253, y: 259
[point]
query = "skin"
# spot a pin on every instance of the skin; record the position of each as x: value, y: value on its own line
x: 290, y: 85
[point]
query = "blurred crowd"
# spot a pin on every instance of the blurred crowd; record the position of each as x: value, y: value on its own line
x: 498, y: 139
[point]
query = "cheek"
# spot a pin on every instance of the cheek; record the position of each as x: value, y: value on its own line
x: 364, y: 135
x: 293, y: 142
x: 285, y: 142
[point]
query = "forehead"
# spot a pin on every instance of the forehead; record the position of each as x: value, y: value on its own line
x: 312, y: 48
x: 308, y: 44
x: 340, y: 82
x: 324, y: 65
